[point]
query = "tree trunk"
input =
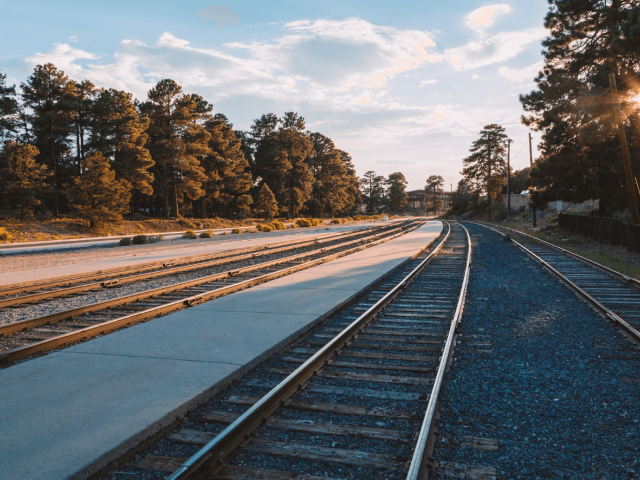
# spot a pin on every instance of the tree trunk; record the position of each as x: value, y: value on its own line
x: 175, y: 196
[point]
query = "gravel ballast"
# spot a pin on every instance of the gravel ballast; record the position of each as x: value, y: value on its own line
x: 539, y: 371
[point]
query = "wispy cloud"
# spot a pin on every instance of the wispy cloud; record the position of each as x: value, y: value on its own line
x: 428, y: 82
x: 523, y: 75
x: 484, y: 17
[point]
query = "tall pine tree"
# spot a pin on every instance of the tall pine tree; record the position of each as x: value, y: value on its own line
x: 397, y: 192
x: 8, y: 108
x: 177, y: 142
x: 47, y: 94
x: 581, y: 157
x: 485, y: 169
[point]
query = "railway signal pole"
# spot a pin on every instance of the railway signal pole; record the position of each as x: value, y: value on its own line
x: 633, y: 200
x: 509, y: 141
x: 530, y: 168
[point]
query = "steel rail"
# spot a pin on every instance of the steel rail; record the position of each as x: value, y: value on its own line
x: 114, y: 272
x: 591, y: 263
x: 418, y: 466
x: 10, y: 356
x: 170, y: 269
x: 208, y: 460
x: 615, y: 319
x: 54, y: 317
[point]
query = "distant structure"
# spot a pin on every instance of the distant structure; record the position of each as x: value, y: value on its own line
x: 220, y: 14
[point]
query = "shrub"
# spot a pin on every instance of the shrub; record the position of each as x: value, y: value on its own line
x: 303, y: 222
x: 155, y: 238
x: 125, y: 242
x: 207, y: 234
x: 190, y: 234
x: 336, y: 222
x: 278, y: 226
x: 236, y: 231
x: 139, y: 240
x: 4, y: 235
x: 186, y: 223
x: 267, y: 228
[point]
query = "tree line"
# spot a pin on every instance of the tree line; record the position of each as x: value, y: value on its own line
x: 573, y: 109
x: 71, y: 147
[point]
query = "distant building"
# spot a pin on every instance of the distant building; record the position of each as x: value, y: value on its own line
x: 417, y: 201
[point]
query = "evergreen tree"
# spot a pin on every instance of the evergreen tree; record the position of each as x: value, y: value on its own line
x: 353, y: 183
x: 8, y: 108
x: 282, y: 146
x: 118, y: 132
x: 372, y: 187
x: 581, y: 156
x: 397, y: 192
x: 47, y: 95
x: 266, y: 202
x: 97, y: 196
x: 332, y: 185
x: 227, y: 170
x: 81, y: 104
x: 433, y: 190
x: 22, y: 179
x: 486, y: 167
x: 176, y: 139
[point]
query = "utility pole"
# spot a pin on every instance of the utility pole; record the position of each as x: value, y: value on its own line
x: 509, y: 141
x: 633, y: 201
x: 531, y: 166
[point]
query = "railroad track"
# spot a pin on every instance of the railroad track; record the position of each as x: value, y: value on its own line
x: 354, y: 398
x: 40, y: 334
x: 614, y: 295
x: 74, y: 285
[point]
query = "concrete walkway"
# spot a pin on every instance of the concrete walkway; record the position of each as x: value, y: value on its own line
x: 208, y: 246
x: 71, y: 412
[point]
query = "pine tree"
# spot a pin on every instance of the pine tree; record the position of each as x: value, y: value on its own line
x: 80, y: 104
x: 47, y: 95
x: 353, y: 183
x: 177, y: 141
x: 281, y: 148
x: 372, y: 187
x: 432, y: 191
x: 486, y: 167
x: 8, y: 108
x: 581, y: 156
x: 118, y: 132
x: 22, y: 179
x: 266, y: 202
x: 332, y: 184
x: 227, y: 170
x: 97, y: 196
x: 397, y: 192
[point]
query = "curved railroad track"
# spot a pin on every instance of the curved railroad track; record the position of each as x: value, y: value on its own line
x: 354, y: 398
x: 614, y: 295
x: 34, y: 336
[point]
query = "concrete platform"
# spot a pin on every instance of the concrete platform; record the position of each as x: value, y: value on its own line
x: 69, y: 413
x: 212, y: 245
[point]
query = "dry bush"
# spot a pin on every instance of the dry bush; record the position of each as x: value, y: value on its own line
x: 140, y: 240
x: 4, y: 235
x: 125, y: 242
x: 236, y: 231
x: 190, y: 234
x: 207, y: 234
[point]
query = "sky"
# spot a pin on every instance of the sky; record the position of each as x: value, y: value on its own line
x: 402, y: 86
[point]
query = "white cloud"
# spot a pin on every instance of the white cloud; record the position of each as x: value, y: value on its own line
x: 427, y: 82
x: 522, y: 75
x: 494, y: 49
x: 73, y: 38
x: 475, y: 76
x: 484, y: 17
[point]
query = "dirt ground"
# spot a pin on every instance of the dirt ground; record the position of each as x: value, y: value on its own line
x: 36, y: 230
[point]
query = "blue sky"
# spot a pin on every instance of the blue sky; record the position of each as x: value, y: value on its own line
x: 402, y: 86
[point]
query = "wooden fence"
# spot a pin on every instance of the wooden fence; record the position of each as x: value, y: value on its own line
x: 605, y: 230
